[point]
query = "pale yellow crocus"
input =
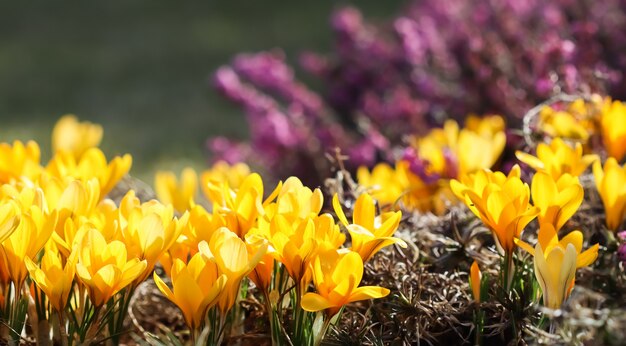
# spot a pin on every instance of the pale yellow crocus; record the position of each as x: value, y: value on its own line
x: 556, y: 262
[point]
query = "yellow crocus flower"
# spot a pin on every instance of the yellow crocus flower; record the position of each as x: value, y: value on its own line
x: 563, y: 124
x: 369, y: 232
x: 9, y: 219
x: 337, y: 277
x: 558, y: 158
x: 231, y: 255
x: 233, y: 175
x: 501, y: 202
x: 613, y: 128
x: 148, y: 230
x: 196, y: 287
x: 296, y: 201
x: 19, y: 161
x: 556, y: 262
x: 611, y: 185
x: 182, y: 250
x: 54, y: 276
x: 104, y: 268
x: 385, y: 183
x: 261, y: 275
x: 558, y: 199
x: 475, y: 281
x: 92, y: 163
x: 74, y: 136
x: 180, y: 194
x: 30, y: 236
x: 294, y: 246
x: 242, y: 207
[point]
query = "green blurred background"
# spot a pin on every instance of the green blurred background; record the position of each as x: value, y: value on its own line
x: 141, y: 68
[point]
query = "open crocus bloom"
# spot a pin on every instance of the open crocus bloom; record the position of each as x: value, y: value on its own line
x: 558, y: 158
x: 196, y: 287
x: 556, y: 262
x: 501, y: 202
x: 337, y: 277
x: 369, y: 232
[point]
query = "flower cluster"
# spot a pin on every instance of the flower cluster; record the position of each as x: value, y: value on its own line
x: 420, y: 179
x: 78, y: 252
x: 434, y: 61
x: 72, y: 257
x: 282, y: 243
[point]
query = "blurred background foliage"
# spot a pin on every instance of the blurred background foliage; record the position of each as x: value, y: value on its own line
x: 141, y: 68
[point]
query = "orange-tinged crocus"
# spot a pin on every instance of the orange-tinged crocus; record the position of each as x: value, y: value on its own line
x: 74, y: 136
x: 501, y: 202
x: 369, y: 232
x: 611, y: 185
x: 558, y: 158
x: 104, y: 268
x: 475, y: 281
x: 337, y: 277
x: 557, y: 200
x: 196, y: 287
x: 181, y: 194
x: 613, y: 128
x: 54, y: 276
x: 556, y: 262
